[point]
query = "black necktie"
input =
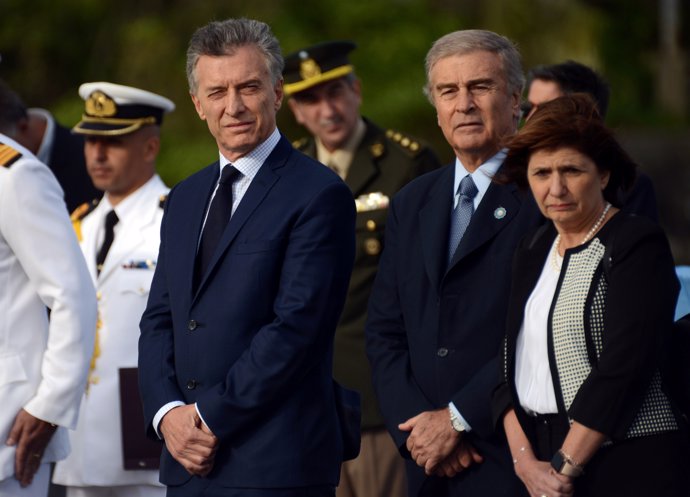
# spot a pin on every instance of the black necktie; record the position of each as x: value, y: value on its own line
x: 216, y: 220
x: 111, y: 220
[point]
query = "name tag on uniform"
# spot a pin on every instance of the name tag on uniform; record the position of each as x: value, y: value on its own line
x: 371, y: 202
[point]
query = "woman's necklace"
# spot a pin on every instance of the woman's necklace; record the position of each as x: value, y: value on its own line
x: 556, y: 259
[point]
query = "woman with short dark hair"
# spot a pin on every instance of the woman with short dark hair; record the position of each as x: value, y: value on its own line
x: 592, y: 304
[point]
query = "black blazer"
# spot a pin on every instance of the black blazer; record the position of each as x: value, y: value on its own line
x: 640, y: 302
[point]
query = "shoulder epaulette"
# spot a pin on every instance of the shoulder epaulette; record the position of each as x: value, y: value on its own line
x: 301, y: 144
x: 80, y: 213
x: 8, y: 155
x: 407, y: 143
x: 161, y: 200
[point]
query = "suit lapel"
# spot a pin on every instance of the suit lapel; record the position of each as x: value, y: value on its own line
x: 255, y: 194
x: 434, y: 222
x: 498, y: 207
x: 198, y: 203
x: 89, y: 229
x: 364, y: 168
x: 131, y: 236
x: 532, y: 260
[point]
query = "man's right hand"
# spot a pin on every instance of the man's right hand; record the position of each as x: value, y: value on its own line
x: 188, y: 440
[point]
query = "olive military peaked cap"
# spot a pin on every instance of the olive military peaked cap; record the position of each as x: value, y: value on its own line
x: 317, y: 64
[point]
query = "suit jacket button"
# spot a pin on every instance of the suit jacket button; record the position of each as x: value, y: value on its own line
x: 191, y: 326
x: 191, y: 384
x: 442, y: 352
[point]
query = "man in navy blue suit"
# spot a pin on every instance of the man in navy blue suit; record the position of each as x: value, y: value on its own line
x: 235, y: 353
x: 437, y: 312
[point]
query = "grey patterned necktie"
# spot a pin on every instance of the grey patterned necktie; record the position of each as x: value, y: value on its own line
x: 461, y: 214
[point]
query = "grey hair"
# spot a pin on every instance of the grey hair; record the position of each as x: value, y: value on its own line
x: 474, y: 40
x: 12, y: 110
x: 219, y: 38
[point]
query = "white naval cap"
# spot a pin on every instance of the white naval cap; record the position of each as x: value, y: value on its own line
x: 113, y: 109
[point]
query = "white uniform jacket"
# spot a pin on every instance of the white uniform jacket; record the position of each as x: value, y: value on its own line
x: 122, y: 288
x: 43, y: 364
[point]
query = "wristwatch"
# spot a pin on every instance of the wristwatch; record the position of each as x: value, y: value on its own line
x: 456, y: 423
x: 564, y: 465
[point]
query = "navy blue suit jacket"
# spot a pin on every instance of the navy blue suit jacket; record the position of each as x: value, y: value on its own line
x: 252, y: 347
x: 434, y: 334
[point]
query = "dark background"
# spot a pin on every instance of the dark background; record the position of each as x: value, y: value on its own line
x: 49, y: 48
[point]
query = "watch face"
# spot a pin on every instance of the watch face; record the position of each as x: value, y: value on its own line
x: 557, y: 462
x: 456, y: 423
x: 563, y: 467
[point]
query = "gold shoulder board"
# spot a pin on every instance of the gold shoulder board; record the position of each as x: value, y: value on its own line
x: 8, y: 155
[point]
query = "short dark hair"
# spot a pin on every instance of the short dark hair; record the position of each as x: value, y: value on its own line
x: 573, y: 77
x: 219, y: 38
x: 571, y: 121
x: 12, y: 109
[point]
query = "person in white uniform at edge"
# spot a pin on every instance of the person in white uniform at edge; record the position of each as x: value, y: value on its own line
x: 48, y: 319
x: 119, y: 237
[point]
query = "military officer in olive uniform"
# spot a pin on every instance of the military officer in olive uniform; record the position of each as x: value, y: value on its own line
x: 325, y: 96
x: 119, y: 237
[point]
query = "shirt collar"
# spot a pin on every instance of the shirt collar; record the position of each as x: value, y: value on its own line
x: 481, y: 176
x: 342, y: 157
x: 128, y: 207
x: 250, y: 164
x: 46, y: 146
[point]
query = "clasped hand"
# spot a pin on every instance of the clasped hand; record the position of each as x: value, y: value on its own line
x: 541, y: 479
x: 436, y: 446
x: 189, y: 440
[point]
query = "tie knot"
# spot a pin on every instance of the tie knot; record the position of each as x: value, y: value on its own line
x: 111, y: 219
x: 467, y: 187
x: 229, y: 174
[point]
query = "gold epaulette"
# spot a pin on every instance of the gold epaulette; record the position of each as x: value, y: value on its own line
x: 80, y: 213
x: 409, y: 144
x: 8, y: 155
x: 301, y: 144
x: 161, y: 200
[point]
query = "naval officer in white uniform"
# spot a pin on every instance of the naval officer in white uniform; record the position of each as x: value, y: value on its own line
x: 119, y: 237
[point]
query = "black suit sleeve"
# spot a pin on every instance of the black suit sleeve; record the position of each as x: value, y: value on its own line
x: 399, y: 396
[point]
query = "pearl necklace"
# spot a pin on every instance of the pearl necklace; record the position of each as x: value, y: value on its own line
x: 555, y: 256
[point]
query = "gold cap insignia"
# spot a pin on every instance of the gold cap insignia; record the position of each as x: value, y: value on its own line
x: 100, y: 105
x: 308, y: 69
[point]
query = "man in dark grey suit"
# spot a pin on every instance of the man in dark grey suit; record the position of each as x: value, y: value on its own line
x: 436, y: 316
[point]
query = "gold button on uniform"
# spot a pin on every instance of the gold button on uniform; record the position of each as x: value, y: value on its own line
x: 371, y: 225
x: 372, y: 246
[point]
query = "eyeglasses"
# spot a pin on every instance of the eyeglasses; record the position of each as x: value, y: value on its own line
x: 526, y: 107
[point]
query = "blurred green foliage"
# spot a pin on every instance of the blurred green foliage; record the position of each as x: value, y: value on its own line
x: 48, y: 48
